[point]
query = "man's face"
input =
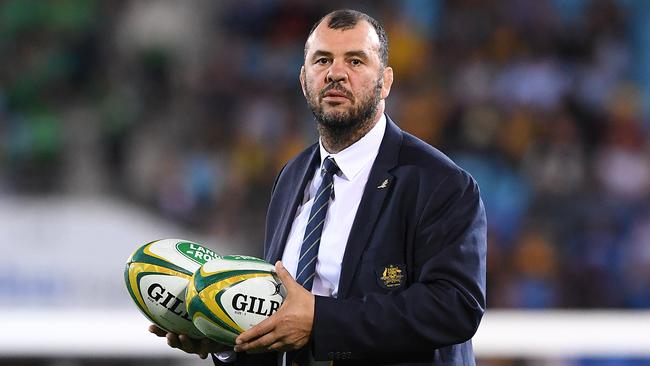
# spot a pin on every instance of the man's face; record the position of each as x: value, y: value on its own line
x: 343, y: 79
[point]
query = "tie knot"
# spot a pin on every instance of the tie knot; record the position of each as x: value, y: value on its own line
x: 330, y: 167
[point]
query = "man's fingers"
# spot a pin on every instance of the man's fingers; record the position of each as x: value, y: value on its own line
x: 207, y: 346
x: 188, y: 344
x: 173, y: 341
x: 202, y: 347
x: 202, y: 355
x: 258, y: 345
x: 278, y: 346
x: 266, y: 326
x: 157, y: 331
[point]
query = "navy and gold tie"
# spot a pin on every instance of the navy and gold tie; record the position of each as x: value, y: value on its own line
x: 309, y: 250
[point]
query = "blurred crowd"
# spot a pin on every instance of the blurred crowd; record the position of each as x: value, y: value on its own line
x: 191, y: 108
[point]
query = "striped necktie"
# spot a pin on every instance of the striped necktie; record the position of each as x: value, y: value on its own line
x: 309, y: 250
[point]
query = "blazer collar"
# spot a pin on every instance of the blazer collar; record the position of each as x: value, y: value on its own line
x: 308, y: 162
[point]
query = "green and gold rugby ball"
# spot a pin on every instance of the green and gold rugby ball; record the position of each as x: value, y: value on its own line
x: 231, y: 294
x: 157, y: 275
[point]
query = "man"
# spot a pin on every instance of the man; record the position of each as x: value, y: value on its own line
x: 385, y: 235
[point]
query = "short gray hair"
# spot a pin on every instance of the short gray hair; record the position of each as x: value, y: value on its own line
x: 345, y: 19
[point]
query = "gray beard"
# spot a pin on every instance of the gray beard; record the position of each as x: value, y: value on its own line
x: 342, y: 129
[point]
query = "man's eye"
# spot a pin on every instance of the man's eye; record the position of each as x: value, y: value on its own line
x: 355, y: 62
x: 322, y: 61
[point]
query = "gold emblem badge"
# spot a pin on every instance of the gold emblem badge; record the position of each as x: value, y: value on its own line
x: 392, y: 276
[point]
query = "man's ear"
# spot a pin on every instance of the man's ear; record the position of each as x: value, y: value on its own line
x: 388, y: 82
x: 302, y: 80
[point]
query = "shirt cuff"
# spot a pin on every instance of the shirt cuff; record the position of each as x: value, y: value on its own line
x: 225, y: 356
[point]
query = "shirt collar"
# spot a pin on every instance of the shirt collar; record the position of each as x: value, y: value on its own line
x: 354, y: 157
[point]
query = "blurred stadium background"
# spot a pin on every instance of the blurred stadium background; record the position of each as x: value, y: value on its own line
x: 126, y: 121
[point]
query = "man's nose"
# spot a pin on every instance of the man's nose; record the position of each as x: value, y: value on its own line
x: 336, y: 73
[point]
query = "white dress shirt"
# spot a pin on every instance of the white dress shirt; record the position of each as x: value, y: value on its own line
x: 355, y: 163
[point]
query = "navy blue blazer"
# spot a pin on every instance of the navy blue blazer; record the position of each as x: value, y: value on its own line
x: 412, y: 285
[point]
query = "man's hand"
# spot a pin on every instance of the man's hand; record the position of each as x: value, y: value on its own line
x: 289, y: 328
x: 201, y: 347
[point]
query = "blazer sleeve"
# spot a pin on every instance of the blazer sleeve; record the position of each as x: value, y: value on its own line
x: 442, y: 306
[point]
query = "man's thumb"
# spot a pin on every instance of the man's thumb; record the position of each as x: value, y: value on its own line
x: 284, y: 276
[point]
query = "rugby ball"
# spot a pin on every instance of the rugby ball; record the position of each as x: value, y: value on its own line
x: 156, y: 277
x: 231, y: 294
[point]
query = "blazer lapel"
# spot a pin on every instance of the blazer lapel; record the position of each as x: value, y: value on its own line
x: 301, y: 178
x: 377, y: 189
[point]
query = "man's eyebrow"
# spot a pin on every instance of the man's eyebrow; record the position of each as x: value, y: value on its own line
x: 319, y: 53
x: 360, y: 53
